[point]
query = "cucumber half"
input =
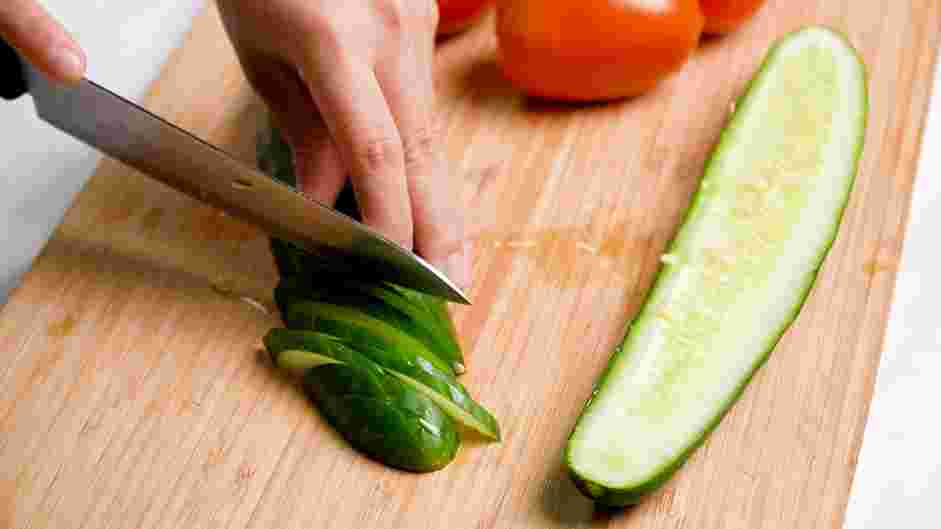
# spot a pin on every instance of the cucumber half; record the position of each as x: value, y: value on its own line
x: 736, y: 275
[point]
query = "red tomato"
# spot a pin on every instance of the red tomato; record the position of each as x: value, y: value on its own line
x: 724, y: 16
x: 458, y: 15
x: 592, y: 50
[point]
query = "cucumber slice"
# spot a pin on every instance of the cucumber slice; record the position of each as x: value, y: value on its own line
x: 737, y: 273
x: 442, y: 388
x: 439, y: 320
x: 378, y: 414
x: 411, y: 312
x: 362, y: 331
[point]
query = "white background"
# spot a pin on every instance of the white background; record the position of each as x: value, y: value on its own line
x: 898, y: 482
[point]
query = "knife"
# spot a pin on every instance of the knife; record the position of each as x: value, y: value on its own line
x: 161, y: 150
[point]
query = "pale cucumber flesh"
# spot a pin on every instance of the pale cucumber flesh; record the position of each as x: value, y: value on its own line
x: 737, y: 273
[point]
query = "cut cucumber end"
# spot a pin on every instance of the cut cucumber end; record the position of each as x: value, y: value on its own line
x: 739, y: 269
x: 298, y: 362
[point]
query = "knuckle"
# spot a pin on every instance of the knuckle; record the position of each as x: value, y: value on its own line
x: 323, y: 31
x: 403, y: 233
x: 378, y: 154
x: 441, y: 238
x: 306, y: 27
x: 392, y: 14
x: 398, y: 228
x: 400, y: 15
x: 449, y: 240
x: 419, y: 148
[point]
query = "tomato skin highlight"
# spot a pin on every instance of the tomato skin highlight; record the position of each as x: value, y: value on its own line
x: 594, y: 50
x: 456, y: 16
x: 725, y: 16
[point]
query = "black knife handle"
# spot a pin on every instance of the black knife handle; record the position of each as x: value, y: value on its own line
x: 12, y: 80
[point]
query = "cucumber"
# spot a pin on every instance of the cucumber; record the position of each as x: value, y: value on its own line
x: 409, y: 311
x: 303, y: 273
x: 438, y: 322
x: 378, y: 414
x: 737, y: 273
x: 442, y: 388
x: 363, y: 331
x: 378, y: 360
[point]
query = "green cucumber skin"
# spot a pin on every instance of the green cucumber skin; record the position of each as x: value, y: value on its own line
x: 615, y: 497
x: 444, y: 384
x: 439, y: 324
x: 381, y: 416
x: 375, y: 412
x: 400, y: 349
x: 297, y: 289
x: 385, y: 302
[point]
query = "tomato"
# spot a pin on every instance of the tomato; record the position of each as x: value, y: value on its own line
x: 723, y: 16
x: 593, y: 50
x: 458, y: 15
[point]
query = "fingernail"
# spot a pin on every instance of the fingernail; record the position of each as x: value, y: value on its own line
x: 68, y: 64
x: 460, y: 264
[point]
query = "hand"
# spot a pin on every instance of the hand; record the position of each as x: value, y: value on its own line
x: 26, y: 26
x: 350, y: 85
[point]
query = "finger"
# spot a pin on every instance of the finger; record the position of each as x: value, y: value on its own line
x: 320, y: 171
x: 317, y: 164
x: 355, y: 110
x: 406, y: 80
x: 26, y: 26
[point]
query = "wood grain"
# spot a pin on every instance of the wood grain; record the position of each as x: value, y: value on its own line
x: 133, y: 394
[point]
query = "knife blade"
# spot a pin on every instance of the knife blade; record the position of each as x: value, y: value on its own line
x: 159, y: 149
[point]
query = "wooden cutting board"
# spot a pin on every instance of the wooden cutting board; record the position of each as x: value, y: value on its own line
x: 134, y: 394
